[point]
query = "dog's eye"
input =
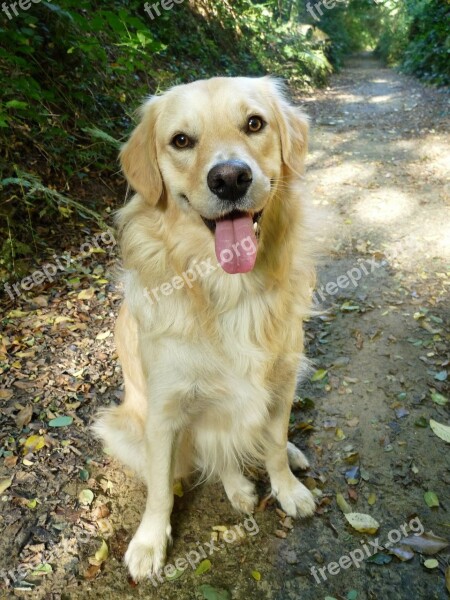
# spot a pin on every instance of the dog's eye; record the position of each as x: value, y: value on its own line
x: 255, y: 124
x: 181, y: 141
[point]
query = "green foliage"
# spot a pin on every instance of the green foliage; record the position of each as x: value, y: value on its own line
x: 416, y: 37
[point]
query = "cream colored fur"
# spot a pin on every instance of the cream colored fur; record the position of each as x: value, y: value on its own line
x: 210, y: 370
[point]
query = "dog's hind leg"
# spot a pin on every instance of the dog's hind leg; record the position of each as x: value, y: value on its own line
x: 122, y: 427
x: 240, y: 491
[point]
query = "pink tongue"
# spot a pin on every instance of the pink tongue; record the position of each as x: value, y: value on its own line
x: 236, y: 244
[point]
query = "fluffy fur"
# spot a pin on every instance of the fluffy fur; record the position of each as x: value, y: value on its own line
x: 210, y: 368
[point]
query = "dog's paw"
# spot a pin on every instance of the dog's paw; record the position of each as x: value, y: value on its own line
x: 146, y: 555
x: 297, y: 460
x: 241, y: 493
x: 296, y: 500
x: 244, y: 501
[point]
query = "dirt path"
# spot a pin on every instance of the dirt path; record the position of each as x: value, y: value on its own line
x: 377, y: 164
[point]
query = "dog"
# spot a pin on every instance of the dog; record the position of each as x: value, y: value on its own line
x: 218, y: 276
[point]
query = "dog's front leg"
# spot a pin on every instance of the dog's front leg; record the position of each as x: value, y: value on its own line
x: 295, y: 499
x: 147, y: 550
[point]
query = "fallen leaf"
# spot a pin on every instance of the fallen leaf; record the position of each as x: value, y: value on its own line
x: 371, y: 499
x: 5, y: 394
x: 24, y: 416
x: 86, y: 294
x: 380, y: 558
x: 339, y: 435
x: 319, y: 375
x: 442, y: 431
x: 61, y: 421
x: 203, y: 567
x: 441, y: 376
x: 256, y: 575
x: 102, y: 553
x: 178, y: 489
x: 103, y: 335
x: 92, y: 571
x: 280, y: 533
x: 343, y: 504
x: 10, y: 461
x: 4, y: 484
x: 426, y: 543
x: 439, y: 398
x: 403, y: 553
x: 431, y: 563
x: 86, y: 497
x: 352, y: 476
x: 431, y: 499
x: 211, y: 593
x: 43, y: 569
x: 176, y: 574
x: 362, y: 522
x: 33, y: 443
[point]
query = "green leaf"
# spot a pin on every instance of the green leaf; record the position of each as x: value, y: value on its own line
x: 380, y: 558
x: 175, y: 575
x: 4, y: 484
x: 203, y: 567
x: 439, y: 398
x: 102, y: 553
x: 102, y: 135
x: 84, y: 474
x: 319, y: 375
x: 441, y: 376
x: 61, y: 422
x: 442, y: 431
x: 431, y: 499
x: 16, y: 104
x: 86, y: 497
x: 43, y: 569
x: 211, y: 593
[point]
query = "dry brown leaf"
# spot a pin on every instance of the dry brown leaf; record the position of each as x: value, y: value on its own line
x: 426, y: 543
x: 24, y: 416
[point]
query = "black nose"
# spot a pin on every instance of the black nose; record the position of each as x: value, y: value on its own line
x: 230, y: 180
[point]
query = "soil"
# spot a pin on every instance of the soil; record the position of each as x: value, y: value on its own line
x: 379, y: 345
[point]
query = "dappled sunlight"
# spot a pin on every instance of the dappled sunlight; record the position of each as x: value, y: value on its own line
x: 382, y: 99
x: 384, y: 205
x: 346, y: 173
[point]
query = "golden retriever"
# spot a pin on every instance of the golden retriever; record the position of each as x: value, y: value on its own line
x: 218, y: 278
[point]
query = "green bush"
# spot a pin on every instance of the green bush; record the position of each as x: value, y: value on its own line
x: 416, y: 37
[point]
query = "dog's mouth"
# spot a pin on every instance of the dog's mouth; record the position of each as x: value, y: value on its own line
x: 211, y: 223
x: 236, y: 242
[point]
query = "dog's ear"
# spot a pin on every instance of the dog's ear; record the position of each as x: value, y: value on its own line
x: 293, y: 126
x: 138, y: 156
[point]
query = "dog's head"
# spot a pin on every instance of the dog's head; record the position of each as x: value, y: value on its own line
x: 218, y: 149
